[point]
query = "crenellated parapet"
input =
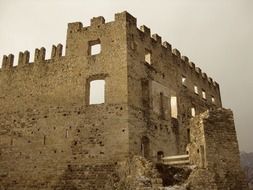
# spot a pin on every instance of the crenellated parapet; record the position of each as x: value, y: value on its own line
x: 183, y: 61
x: 24, y: 57
x: 75, y: 27
x: 123, y: 17
x: 198, y: 71
x: 145, y: 30
x: 56, y: 51
x: 176, y: 52
x: 167, y: 46
x: 97, y: 23
x: 7, y: 62
x: 157, y: 38
x: 39, y: 55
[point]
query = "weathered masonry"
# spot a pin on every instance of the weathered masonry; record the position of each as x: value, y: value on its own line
x: 80, y: 120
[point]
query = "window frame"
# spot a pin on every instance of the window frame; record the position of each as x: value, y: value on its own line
x: 93, y: 43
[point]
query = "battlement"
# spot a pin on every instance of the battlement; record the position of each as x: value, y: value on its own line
x: 24, y: 57
x: 183, y: 60
x: 97, y: 22
x: 7, y: 62
x: 81, y: 38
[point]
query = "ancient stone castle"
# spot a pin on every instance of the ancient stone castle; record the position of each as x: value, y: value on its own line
x: 155, y: 119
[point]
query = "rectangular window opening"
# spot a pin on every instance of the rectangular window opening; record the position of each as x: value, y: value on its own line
x: 67, y: 133
x: 161, y: 106
x: 184, y: 80
x: 94, y: 47
x: 204, y: 94
x: 213, y: 100
x: 148, y: 56
x: 97, y: 92
x: 193, y: 112
x: 173, y: 103
x: 196, y: 91
x: 188, y: 135
x: 44, y: 140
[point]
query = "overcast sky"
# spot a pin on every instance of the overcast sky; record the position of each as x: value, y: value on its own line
x: 217, y: 35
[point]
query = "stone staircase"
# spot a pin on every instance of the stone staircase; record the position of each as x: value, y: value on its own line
x: 178, y: 160
x: 173, y: 170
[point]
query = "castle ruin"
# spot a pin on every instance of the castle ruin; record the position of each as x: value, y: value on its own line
x: 154, y: 105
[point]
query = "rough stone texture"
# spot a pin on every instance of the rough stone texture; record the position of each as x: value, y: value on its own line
x: 51, y: 138
x: 214, y: 150
x: 173, y: 176
x: 138, y: 173
x: 247, y: 165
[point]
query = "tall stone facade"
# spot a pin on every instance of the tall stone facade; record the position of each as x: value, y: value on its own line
x: 53, y: 137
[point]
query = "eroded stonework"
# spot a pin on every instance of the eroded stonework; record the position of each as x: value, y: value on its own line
x: 158, y: 109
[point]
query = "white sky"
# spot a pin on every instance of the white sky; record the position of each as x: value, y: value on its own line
x: 215, y: 34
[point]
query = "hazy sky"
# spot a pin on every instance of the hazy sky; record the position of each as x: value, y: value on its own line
x: 215, y: 34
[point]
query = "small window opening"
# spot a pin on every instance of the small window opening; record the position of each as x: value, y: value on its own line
x: 148, y: 56
x: 203, y: 94
x: 161, y: 106
x: 188, y: 135
x: 173, y: 103
x: 184, y: 80
x: 160, y: 155
x: 196, y: 91
x: 213, y: 100
x: 193, y: 112
x: 97, y: 92
x: 202, y: 154
x: 67, y: 133
x: 94, y: 47
x: 145, y: 147
x: 44, y: 139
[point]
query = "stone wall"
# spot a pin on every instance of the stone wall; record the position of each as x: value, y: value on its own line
x: 150, y: 87
x: 63, y: 80
x: 47, y: 126
x: 214, y: 150
x: 38, y: 146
